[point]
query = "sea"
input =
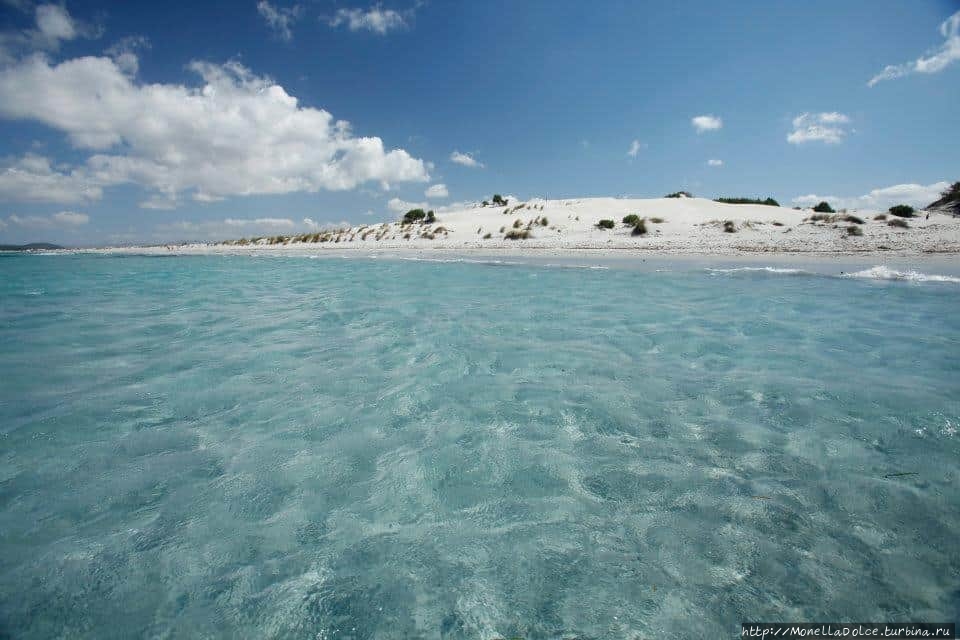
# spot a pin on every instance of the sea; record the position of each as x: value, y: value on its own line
x: 377, y: 447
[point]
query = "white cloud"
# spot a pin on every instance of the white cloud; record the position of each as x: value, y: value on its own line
x: 238, y: 134
x: 62, y: 220
x: 827, y: 127
x: 706, y: 123
x: 715, y: 163
x: 54, y: 25
x: 917, y: 195
x: 375, y: 19
x: 465, y: 159
x: 437, y: 191
x: 396, y: 204
x: 635, y: 147
x: 937, y: 59
x: 71, y: 218
x: 124, y: 53
x: 280, y: 19
x: 33, y: 179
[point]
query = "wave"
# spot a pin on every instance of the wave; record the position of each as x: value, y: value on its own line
x: 886, y: 273
x: 767, y: 269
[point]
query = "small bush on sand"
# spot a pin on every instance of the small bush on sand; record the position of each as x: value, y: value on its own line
x: 854, y: 231
x: 517, y: 223
x: 414, y: 215
x: 488, y: 236
x: 824, y: 207
x: 516, y: 234
x: 853, y: 219
x: 679, y: 194
x: 606, y: 224
x: 631, y: 219
x: 543, y: 222
x: 777, y: 224
x: 769, y: 201
x: 484, y: 204
x: 898, y: 222
x: 880, y: 216
x: 902, y: 211
x: 657, y: 220
x: 640, y: 228
x: 729, y: 226
x: 498, y: 200
x: 431, y: 218
x: 502, y: 229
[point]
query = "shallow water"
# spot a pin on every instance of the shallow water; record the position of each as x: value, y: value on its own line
x: 283, y: 447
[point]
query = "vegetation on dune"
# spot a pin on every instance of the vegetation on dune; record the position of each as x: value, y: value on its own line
x: 487, y: 236
x: 854, y: 231
x: 631, y: 219
x: 679, y: 194
x: 852, y: 218
x: 902, y: 211
x: 640, y: 228
x: 880, y: 216
x: 517, y: 223
x: 518, y: 234
x: 729, y: 226
x: 898, y: 222
x: 656, y: 220
x: 824, y: 207
x: 949, y: 200
x: 498, y: 200
x: 414, y: 215
x: 769, y: 201
x: 606, y: 224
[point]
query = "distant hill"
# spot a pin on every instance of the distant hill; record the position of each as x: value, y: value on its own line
x: 29, y: 247
x: 950, y: 202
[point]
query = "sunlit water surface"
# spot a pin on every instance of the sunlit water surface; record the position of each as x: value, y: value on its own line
x: 293, y: 448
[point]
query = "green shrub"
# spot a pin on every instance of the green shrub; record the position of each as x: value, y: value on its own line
x: 606, y: 224
x: 822, y: 217
x: 769, y: 201
x: 631, y: 219
x: 777, y: 224
x: 898, y: 222
x: 517, y: 223
x: 518, y: 234
x: 853, y: 219
x: 729, y: 226
x: 488, y: 236
x: 484, y: 204
x: 880, y: 216
x: 902, y: 211
x: 543, y: 222
x: 640, y: 228
x: 431, y: 218
x: 414, y: 215
x: 498, y: 200
x: 657, y: 220
x: 824, y: 207
x: 854, y: 231
x: 679, y: 194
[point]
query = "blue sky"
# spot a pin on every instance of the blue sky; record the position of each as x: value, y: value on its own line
x: 133, y: 122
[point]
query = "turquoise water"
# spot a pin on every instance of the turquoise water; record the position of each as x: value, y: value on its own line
x: 292, y: 448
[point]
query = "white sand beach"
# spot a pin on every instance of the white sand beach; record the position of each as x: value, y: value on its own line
x: 694, y: 226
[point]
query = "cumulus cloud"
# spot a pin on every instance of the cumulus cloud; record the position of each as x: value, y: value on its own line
x: 437, y: 191
x: 53, y: 26
x: 32, y: 178
x: 375, y: 19
x: 917, y: 195
x: 237, y: 134
x: 61, y: 220
x: 465, y: 159
x: 396, y: 204
x: 635, y: 147
x: 936, y: 60
x: 280, y: 19
x: 829, y: 127
x: 706, y: 123
x: 715, y: 163
x: 124, y: 53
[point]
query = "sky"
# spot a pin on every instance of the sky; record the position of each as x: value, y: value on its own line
x: 145, y: 122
